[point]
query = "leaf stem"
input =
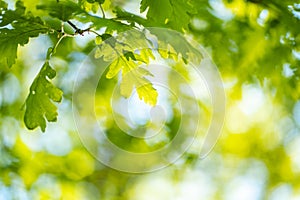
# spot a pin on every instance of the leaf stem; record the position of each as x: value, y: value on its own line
x: 57, y: 43
x: 102, y: 10
x: 64, y: 34
x: 92, y: 31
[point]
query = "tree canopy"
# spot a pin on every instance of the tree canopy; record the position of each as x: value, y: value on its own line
x: 70, y: 70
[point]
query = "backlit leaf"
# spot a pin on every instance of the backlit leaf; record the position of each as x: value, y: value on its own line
x: 63, y: 10
x: 39, y: 103
x: 124, y: 59
x: 24, y: 26
x: 173, y: 13
x: 136, y: 79
x: 147, y: 93
x: 173, y: 44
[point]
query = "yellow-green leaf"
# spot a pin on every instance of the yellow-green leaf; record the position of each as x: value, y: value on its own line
x: 98, y: 40
x: 136, y: 79
x: 147, y: 93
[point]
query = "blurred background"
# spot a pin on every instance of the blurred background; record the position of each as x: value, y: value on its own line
x: 256, y: 46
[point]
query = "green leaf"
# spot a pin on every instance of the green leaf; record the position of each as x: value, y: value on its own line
x: 147, y: 93
x: 133, y: 77
x: 24, y: 26
x: 173, y: 44
x: 98, y: 23
x: 11, y: 38
x: 125, y: 62
x: 129, y: 55
x: 63, y: 10
x: 173, y: 13
x: 115, y: 67
x: 123, y: 58
x: 98, y: 40
x: 132, y: 18
x: 39, y: 103
x: 106, y: 51
x: 136, y: 78
x: 9, y: 16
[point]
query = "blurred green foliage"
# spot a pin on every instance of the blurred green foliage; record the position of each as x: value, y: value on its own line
x: 256, y: 46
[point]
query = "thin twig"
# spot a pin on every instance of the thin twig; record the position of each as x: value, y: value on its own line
x: 92, y: 31
x: 73, y: 25
x: 78, y: 30
x: 63, y: 34
x: 102, y: 10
